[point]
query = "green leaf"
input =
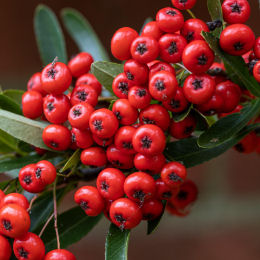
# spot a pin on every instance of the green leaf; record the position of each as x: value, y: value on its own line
x: 228, y: 126
x: 177, y: 117
x: 105, y: 72
x: 49, y: 36
x: 153, y: 224
x: 72, y: 161
x: 73, y: 225
x: 215, y: 11
x: 15, y: 95
x: 23, y: 128
x: 8, y: 140
x: 236, y: 66
x: 117, y: 243
x: 188, y: 151
x: 8, y: 104
x: 83, y: 34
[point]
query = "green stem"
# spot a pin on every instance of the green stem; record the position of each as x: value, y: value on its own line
x: 108, y: 99
x: 191, y: 13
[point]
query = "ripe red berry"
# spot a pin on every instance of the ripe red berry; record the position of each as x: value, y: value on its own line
x: 149, y: 140
x: 2, y: 195
x: 183, y: 4
x: 15, y: 198
x: 56, y: 108
x: 102, y: 142
x: 35, y: 83
x: 236, y: 11
x: 110, y: 183
x: 171, y: 47
x: 79, y: 115
x: 94, y: 156
x: 247, y: 145
x: 169, y: 20
x: 89, y: 79
x: 125, y: 112
x: 163, y: 191
x: 144, y: 49
x: 159, y: 66
x: 32, y: 104
x: 152, y: 29
x: 59, y: 254
x: 103, y: 123
x: 5, y: 249
x: 163, y: 85
x: 82, y: 138
x: 192, y: 29
x: 257, y: 48
x: 256, y: 71
x: 139, y: 97
x: 237, y: 39
x: 56, y: 78
x: 125, y: 213
x: 152, y: 209
x: 123, y: 139
x: 184, y: 128
x: 45, y: 171
x: 14, y: 221
x: 80, y: 64
x: 121, y: 85
x: 121, y: 43
x: 89, y: 199
x: 30, y: 246
x: 57, y: 137
x: 197, y: 57
x: 199, y: 89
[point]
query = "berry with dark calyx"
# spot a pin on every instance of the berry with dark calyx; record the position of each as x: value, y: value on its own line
x: 59, y: 254
x: 161, y: 66
x: 123, y: 139
x: 82, y: 138
x: 183, y: 4
x: 251, y: 65
x: 15, y: 198
x: 152, y: 29
x: 35, y: 83
x: 102, y: 142
x: 139, y: 97
x: 94, y: 156
x: 152, y: 209
x: 5, y: 249
x: 91, y: 80
x: 45, y: 171
x: 121, y: 85
x: 32, y: 104
x: 163, y: 191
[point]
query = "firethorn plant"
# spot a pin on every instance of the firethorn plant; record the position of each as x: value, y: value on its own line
x: 135, y: 127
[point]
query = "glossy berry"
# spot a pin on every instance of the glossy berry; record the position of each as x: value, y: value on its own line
x: 236, y: 11
x: 5, y: 249
x: 152, y: 209
x: 139, y: 97
x: 125, y: 112
x: 60, y: 254
x: 89, y: 199
x: 183, y: 4
x: 45, y: 171
x: 155, y: 114
x: 150, y: 164
x: 161, y: 66
x: 152, y: 29
x: 118, y: 159
x: 94, y: 156
x: 82, y: 138
x: 35, y: 83
x: 91, y: 80
x: 121, y: 85
x: 197, y: 57
x: 247, y: 145
x: 184, y: 128
x: 256, y: 71
x: 144, y: 49
x: 173, y: 174
x: 257, y: 48
x: 103, y: 123
x: 137, y: 73
x: 163, y: 191
x: 198, y: 89
x: 80, y: 64
x: 123, y: 139
x: 15, y: 198
x: 121, y: 43
x: 192, y: 29
x: 171, y: 47
x: 57, y: 137
x: 32, y: 104
x: 79, y: 115
x: 30, y: 246
x: 102, y: 142
x: 169, y: 20
x: 56, y: 78
x: 125, y: 213
x: 14, y: 221
x: 110, y: 183
x: 237, y: 39
x: 163, y: 85
x: 2, y: 195
x: 84, y: 94
x: 56, y: 108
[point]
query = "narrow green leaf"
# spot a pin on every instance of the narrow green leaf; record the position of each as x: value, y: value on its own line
x: 83, y: 34
x: 15, y: 95
x: 73, y: 225
x: 188, y: 151
x: 22, y: 128
x: 8, y: 140
x: 116, y: 243
x: 8, y: 104
x: 49, y: 36
x: 105, y: 72
x: 228, y: 126
x: 236, y: 65
x: 215, y: 11
x: 177, y: 117
x: 72, y: 161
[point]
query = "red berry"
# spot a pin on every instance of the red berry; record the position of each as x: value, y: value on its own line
x: 123, y: 139
x: 152, y: 29
x: 56, y: 78
x: 248, y: 144
x: 159, y: 66
x: 256, y: 71
x: 139, y: 97
x: 89, y: 79
x: 237, y: 39
x: 183, y: 4
x: 110, y: 183
x: 102, y: 142
x: 121, y: 85
x: 125, y: 213
x: 45, y: 171
x: 94, y: 156
x: 15, y: 198
x: 152, y: 209
x: 5, y: 249
x: 56, y: 108
x: 149, y: 140
x: 60, y: 254
x: 163, y: 191
x: 89, y: 199
x: 2, y: 195
x: 257, y: 48
x: 80, y: 64
x: 14, y: 221
x: 32, y: 104
x: 82, y: 138
x: 30, y: 246
x: 35, y: 83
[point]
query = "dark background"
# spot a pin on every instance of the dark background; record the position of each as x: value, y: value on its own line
x: 224, y: 223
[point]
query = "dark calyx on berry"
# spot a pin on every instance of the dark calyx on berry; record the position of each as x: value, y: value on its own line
x: 146, y: 142
x: 238, y: 46
x: 104, y: 186
x: 175, y: 103
x: 84, y: 205
x: 120, y: 219
x: 127, y: 145
x: 183, y: 1
x: 118, y: 115
x: 182, y: 195
x: 117, y: 163
x: 7, y: 225
x: 38, y: 173
x: 77, y: 112
x: 51, y: 73
x: 190, y: 36
x: 202, y: 60
x: 27, y: 179
x: 236, y: 8
x: 141, y: 48
x: 171, y: 12
x: 174, y: 177
x: 167, y: 195
x: 23, y: 253
x: 141, y: 92
x: 172, y: 48
x: 129, y: 75
x: 54, y: 144
x: 82, y: 95
x: 197, y: 83
x: 123, y: 87
x: 139, y: 194
x: 50, y: 106
x: 98, y: 125
x: 147, y: 120
x: 73, y: 138
x: 159, y: 84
